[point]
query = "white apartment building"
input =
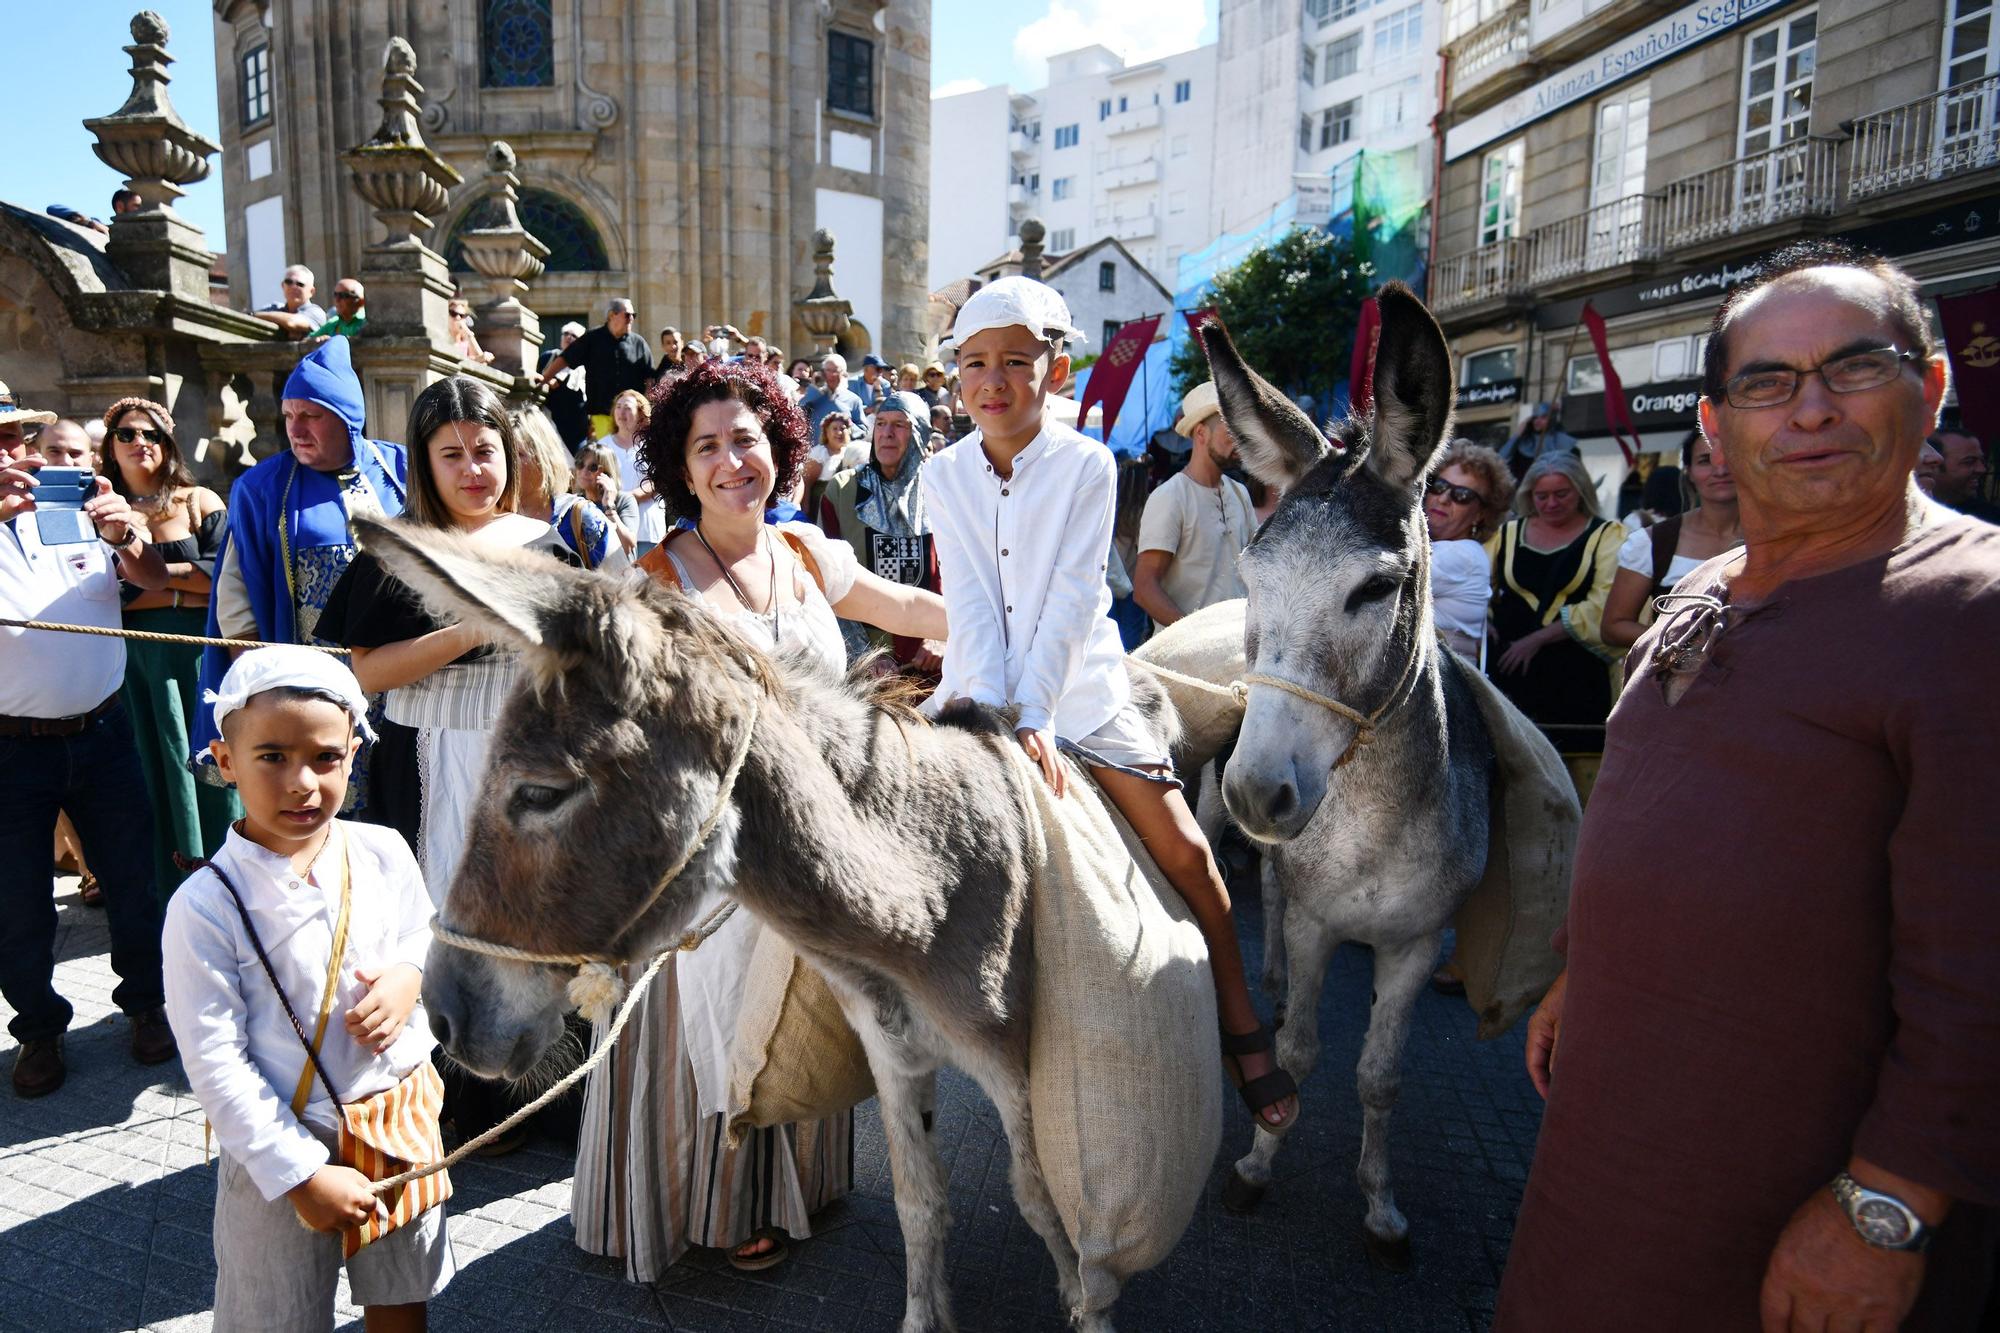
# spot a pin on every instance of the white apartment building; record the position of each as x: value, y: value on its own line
x: 1106, y: 150
x: 1303, y: 85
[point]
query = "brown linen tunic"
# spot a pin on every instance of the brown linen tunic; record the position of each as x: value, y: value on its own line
x: 1784, y: 947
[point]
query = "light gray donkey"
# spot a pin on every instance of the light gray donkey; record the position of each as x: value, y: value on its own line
x: 893, y: 855
x: 1363, y: 765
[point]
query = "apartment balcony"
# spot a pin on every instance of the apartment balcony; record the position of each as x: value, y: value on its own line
x: 1623, y: 231
x: 1784, y: 184
x: 1020, y: 145
x: 1932, y: 139
x: 1126, y: 175
x: 1490, y: 61
x: 1495, y: 272
x: 1128, y: 226
x: 1131, y: 122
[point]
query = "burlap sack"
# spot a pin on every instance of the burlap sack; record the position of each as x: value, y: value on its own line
x: 795, y: 1057
x: 1503, y: 949
x: 1197, y: 659
x: 1124, y: 1075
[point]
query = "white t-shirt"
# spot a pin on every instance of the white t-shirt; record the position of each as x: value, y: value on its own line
x: 1204, y: 529
x: 652, y: 514
x: 1637, y: 555
x: 46, y: 673
x: 1461, y: 586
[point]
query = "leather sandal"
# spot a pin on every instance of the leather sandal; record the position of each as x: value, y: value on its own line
x: 88, y: 891
x: 1265, y: 1090
x: 758, y: 1261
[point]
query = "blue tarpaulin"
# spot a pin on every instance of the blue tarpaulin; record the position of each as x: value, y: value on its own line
x: 1149, y: 403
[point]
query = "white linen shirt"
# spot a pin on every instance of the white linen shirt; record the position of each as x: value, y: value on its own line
x: 238, y: 1048
x: 45, y: 673
x: 1461, y: 586
x: 1022, y: 564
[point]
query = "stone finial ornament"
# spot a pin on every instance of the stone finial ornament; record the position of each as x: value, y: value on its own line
x: 824, y: 314
x: 1032, y: 235
x: 145, y: 139
x: 394, y: 171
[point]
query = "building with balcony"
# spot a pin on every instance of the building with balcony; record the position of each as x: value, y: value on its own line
x: 1106, y: 151
x: 1640, y: 158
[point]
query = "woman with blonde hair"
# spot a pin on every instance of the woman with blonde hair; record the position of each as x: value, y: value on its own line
x: 596, y: 480
x: 1465, y: 502
x: 547, y: 494
x: 629, y: 414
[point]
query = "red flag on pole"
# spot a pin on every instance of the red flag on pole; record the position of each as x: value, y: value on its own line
x: 1111, y: 376
x: 1970, y: 323
x: 1361, y: 369
x: 1617, y: 409
x: 1197, y: 318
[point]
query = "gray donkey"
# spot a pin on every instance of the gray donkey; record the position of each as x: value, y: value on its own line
x: 1363, y: 764
x: 893, y: 855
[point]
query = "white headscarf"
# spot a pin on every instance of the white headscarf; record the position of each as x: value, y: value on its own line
x: 287, y: 665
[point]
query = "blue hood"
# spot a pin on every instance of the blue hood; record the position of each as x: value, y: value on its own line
x: 327, y: 378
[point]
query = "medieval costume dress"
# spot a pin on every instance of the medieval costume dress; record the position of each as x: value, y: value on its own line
x: 885, y: 522
x: 1566, y: 689
x: 290, y: 536
x: 654, y: 1169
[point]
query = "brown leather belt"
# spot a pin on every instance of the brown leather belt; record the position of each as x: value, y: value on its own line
x: 55, y: 726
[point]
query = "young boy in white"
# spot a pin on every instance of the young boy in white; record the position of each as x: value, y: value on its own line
x: 1021, y: 511
x: 289, y: 718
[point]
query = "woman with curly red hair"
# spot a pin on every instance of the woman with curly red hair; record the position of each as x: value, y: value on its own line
x: 654, y: 1170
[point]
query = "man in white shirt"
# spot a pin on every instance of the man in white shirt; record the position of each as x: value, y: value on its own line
x: 66, y: 745
x: 1196, y: 523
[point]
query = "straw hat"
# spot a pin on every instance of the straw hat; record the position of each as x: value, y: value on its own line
x: 1198, y: 406
x: 12, y: 411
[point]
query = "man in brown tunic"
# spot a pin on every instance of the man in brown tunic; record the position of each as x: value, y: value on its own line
x: 1784, y: 934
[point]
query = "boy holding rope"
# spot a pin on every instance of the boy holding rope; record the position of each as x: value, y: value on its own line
x: 299, y: 912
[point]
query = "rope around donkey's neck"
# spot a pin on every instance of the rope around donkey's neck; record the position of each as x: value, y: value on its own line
x: 154, y: 636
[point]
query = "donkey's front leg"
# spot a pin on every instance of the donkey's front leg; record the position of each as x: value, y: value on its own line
x: 1271, y: 882
x: 1400, y: 973
x: 922, y: 1206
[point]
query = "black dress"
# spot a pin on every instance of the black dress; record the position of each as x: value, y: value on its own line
x: 1566, y: 688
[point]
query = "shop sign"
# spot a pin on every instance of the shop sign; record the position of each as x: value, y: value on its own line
x: 1654, y: 406
x: 1673, y: 35
x: 1490, y: 395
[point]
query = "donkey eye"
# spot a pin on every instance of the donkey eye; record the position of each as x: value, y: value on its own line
x: 1373, y: 590
x: 531, y: 796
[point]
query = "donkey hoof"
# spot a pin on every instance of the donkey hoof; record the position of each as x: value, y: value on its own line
x: 1240, y: 1196
x: 1390, y: 1254
x: 1277, y: 1015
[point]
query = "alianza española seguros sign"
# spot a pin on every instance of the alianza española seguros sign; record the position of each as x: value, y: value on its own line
x: 1680, y: 31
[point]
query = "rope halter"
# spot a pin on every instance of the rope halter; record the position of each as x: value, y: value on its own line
x: 597, y: 987
x: 1365, y: 724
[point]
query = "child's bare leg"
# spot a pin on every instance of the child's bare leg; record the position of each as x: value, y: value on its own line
x: 393, y: 1318
x: 1159, y: 814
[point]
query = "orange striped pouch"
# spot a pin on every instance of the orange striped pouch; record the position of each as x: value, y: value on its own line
x: 387, y: 1134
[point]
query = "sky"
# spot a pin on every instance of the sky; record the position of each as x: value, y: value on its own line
x: 67, y: 65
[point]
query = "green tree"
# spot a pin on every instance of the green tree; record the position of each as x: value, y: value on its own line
x: 1291, y: 309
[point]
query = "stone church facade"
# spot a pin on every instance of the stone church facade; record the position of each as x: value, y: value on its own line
x: 680, y: 152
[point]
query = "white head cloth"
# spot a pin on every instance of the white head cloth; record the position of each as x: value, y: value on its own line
x: 263, y: 669
x: 1035, y: 306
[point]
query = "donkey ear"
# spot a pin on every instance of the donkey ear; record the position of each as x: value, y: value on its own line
x: 1413, y: 393
x: 1279, y: 443
x: 517, y: 598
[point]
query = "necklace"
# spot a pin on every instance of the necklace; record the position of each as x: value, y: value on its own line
x: 737, y: 588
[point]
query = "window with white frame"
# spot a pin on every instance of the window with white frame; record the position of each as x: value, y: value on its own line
x: 1618, y: 160
x: 1061, y: 187
x: 1066, y: 136
x: 1462, y: 16
x: 1394, y: 104
x: 256, y: 85
x: 1104, y: 109
x: 1107, y: 277
x: 1063, y: 239
x: 1778, y: 82
x: 1305, y: 134
x: 1336, y: 124
x: 1337, y: 10
x: 1400, y: 34
x: 1490, y: 367
x: 1500, y: 193
x: 1969, y: 42
x: 1343, y: 57
x: 1183, y: 90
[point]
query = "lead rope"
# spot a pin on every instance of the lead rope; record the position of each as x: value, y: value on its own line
x: 152, y: 636
x: 596, y: 987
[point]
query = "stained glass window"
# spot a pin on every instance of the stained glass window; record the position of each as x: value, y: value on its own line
x: 518, y: 48
x: 574, y: 246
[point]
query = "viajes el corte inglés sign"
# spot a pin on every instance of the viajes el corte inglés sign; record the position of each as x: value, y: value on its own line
x: 1680, y: 31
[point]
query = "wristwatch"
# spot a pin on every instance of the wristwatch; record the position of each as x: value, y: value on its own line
x: 1882, y: 1220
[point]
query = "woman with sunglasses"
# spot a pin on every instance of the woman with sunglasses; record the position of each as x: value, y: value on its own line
x: 1464, y: 503
x: 186, y: 522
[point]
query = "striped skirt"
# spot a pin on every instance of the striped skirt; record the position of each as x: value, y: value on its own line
x: 654, y: 1176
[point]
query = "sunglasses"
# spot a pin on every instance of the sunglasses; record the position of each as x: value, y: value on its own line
x: 293, y: 282
x: 1464, y: 495
x: 130, y: 434
x: 346, y: 296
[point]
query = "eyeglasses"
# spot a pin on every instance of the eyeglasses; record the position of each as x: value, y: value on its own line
x: 293, y: 282
x: 339, y: 295
x: 128, y: 434
x: 1844, y: 374
x: 1464, y: 495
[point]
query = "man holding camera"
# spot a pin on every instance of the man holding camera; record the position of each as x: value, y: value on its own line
x: 66, y: 744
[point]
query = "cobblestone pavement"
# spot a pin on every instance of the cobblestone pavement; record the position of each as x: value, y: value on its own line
x: 105, y: 1205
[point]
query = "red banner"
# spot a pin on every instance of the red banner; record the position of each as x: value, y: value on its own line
x: 1617, y: 408
x: 1361, y: 367
x: 1111, y: 375
x: 1971, y: 322
x: 1197, y: 318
